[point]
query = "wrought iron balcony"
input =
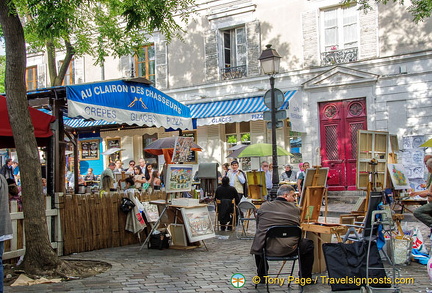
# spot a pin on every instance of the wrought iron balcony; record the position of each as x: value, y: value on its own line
x: 339, y: 56
x: 233, y: 72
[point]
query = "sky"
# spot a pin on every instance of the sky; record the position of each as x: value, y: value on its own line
x: 2, y: 47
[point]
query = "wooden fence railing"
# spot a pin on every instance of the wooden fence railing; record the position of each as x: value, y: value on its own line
x: 15, y: 247
x: 83, y: 222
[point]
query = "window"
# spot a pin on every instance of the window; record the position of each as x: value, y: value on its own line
x: 145, y: 62
x: 239, y: 133
x: 69, y: 77
x: 296, y: 147
x: 339, y: 28
x: 234, y: 53
x: 31, y: 78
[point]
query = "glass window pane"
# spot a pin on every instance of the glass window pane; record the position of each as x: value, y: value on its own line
x: 350, y: 33
x: 331, y: 37
x: 330, y: 18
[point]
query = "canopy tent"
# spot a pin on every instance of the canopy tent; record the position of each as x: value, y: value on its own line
x: 41, y: 123
x: 127, y: 102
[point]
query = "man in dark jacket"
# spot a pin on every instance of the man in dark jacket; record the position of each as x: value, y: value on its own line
x: 226, y: 193
x: 281, y: 211
x: 7, y: 170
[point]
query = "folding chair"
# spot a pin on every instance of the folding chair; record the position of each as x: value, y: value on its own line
x: 247, y: 213
x: 232, y: 213
x: 274, y: 233
x: 361, y: 230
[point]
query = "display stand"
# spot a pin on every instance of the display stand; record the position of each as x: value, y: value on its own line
x: 313, y: 192
x: 171, y: 214
x: 256, y: 181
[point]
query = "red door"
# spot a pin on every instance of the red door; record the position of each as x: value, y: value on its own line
x: 339, y: 122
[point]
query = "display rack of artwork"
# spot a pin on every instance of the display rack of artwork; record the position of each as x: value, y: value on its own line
x: 198, y: 223
x: 371, y: 145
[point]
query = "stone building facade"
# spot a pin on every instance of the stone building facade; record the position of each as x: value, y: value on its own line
x: 330, y: 54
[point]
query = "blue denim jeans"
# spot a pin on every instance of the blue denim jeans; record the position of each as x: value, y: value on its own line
x: 1, y: 266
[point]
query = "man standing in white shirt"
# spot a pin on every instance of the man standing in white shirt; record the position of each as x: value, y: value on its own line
x: 237, y: 179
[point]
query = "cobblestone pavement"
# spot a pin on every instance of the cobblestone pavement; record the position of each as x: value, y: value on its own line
x: 194, y: 270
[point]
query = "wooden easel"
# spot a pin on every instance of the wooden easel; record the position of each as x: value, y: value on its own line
x: 318, y: 232
x: 312, y: 200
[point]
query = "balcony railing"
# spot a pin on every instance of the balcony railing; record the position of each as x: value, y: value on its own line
x: 233, y: 72
x: 339, y: 56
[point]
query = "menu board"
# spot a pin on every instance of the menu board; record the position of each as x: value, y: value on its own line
x: 89, y: 149
x: 113, y: 143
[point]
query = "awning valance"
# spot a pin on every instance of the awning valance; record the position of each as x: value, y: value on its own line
x: 127, y: 102
x: 229, y: 111
x: 41, y: 123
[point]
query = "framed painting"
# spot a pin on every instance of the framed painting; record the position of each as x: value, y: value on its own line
x: 198, y: 223
x: 89, y: 149
x: 179, y: 178
x: 398, y: 176
x: 151, y: 212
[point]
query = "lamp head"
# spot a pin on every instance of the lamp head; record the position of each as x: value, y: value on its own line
x: 270, y: 61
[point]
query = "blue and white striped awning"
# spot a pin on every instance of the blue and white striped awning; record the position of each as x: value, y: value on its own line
x: 80, y: 122
x: 229, y: 111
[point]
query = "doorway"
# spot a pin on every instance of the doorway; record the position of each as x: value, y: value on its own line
x: 339, y: 123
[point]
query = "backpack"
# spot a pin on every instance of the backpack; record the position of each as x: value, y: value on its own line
x: 126, y: 205
x: 158, y: 240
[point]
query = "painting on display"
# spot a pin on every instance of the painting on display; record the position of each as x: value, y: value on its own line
x: 182, y: 148
x: 151, y: 212
x: 412, y: 159
x: 198, y: 223
x: 398, y: 176
x: 179, y: 178
x: 89, y: 149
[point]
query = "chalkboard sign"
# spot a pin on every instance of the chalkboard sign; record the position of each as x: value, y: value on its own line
x: 113, y: 143
x: 89, y: 149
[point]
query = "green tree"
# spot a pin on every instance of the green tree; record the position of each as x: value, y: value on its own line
x: 78, y: 27
x: 420, y: 9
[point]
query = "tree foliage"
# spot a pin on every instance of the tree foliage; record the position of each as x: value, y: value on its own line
x: 98, y: 28
x: 420, y: 9
x: 106, y: 27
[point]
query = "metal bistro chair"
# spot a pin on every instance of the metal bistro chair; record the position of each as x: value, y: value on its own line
x: 275, y: 232
x: 249, y: 212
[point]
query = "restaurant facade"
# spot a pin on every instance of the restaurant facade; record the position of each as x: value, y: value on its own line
x: 341, y: 71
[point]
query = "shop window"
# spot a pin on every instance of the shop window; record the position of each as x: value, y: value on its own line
x: 237, y: 133
x: 31, y: 78
x: 145, y: 62
x: 295, y: 147
x: 69, y: 77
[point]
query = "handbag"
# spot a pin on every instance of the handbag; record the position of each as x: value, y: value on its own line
x: 347, y: 261
x: 126, y: 205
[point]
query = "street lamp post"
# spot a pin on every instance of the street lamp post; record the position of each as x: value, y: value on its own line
x: 270, y: 60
